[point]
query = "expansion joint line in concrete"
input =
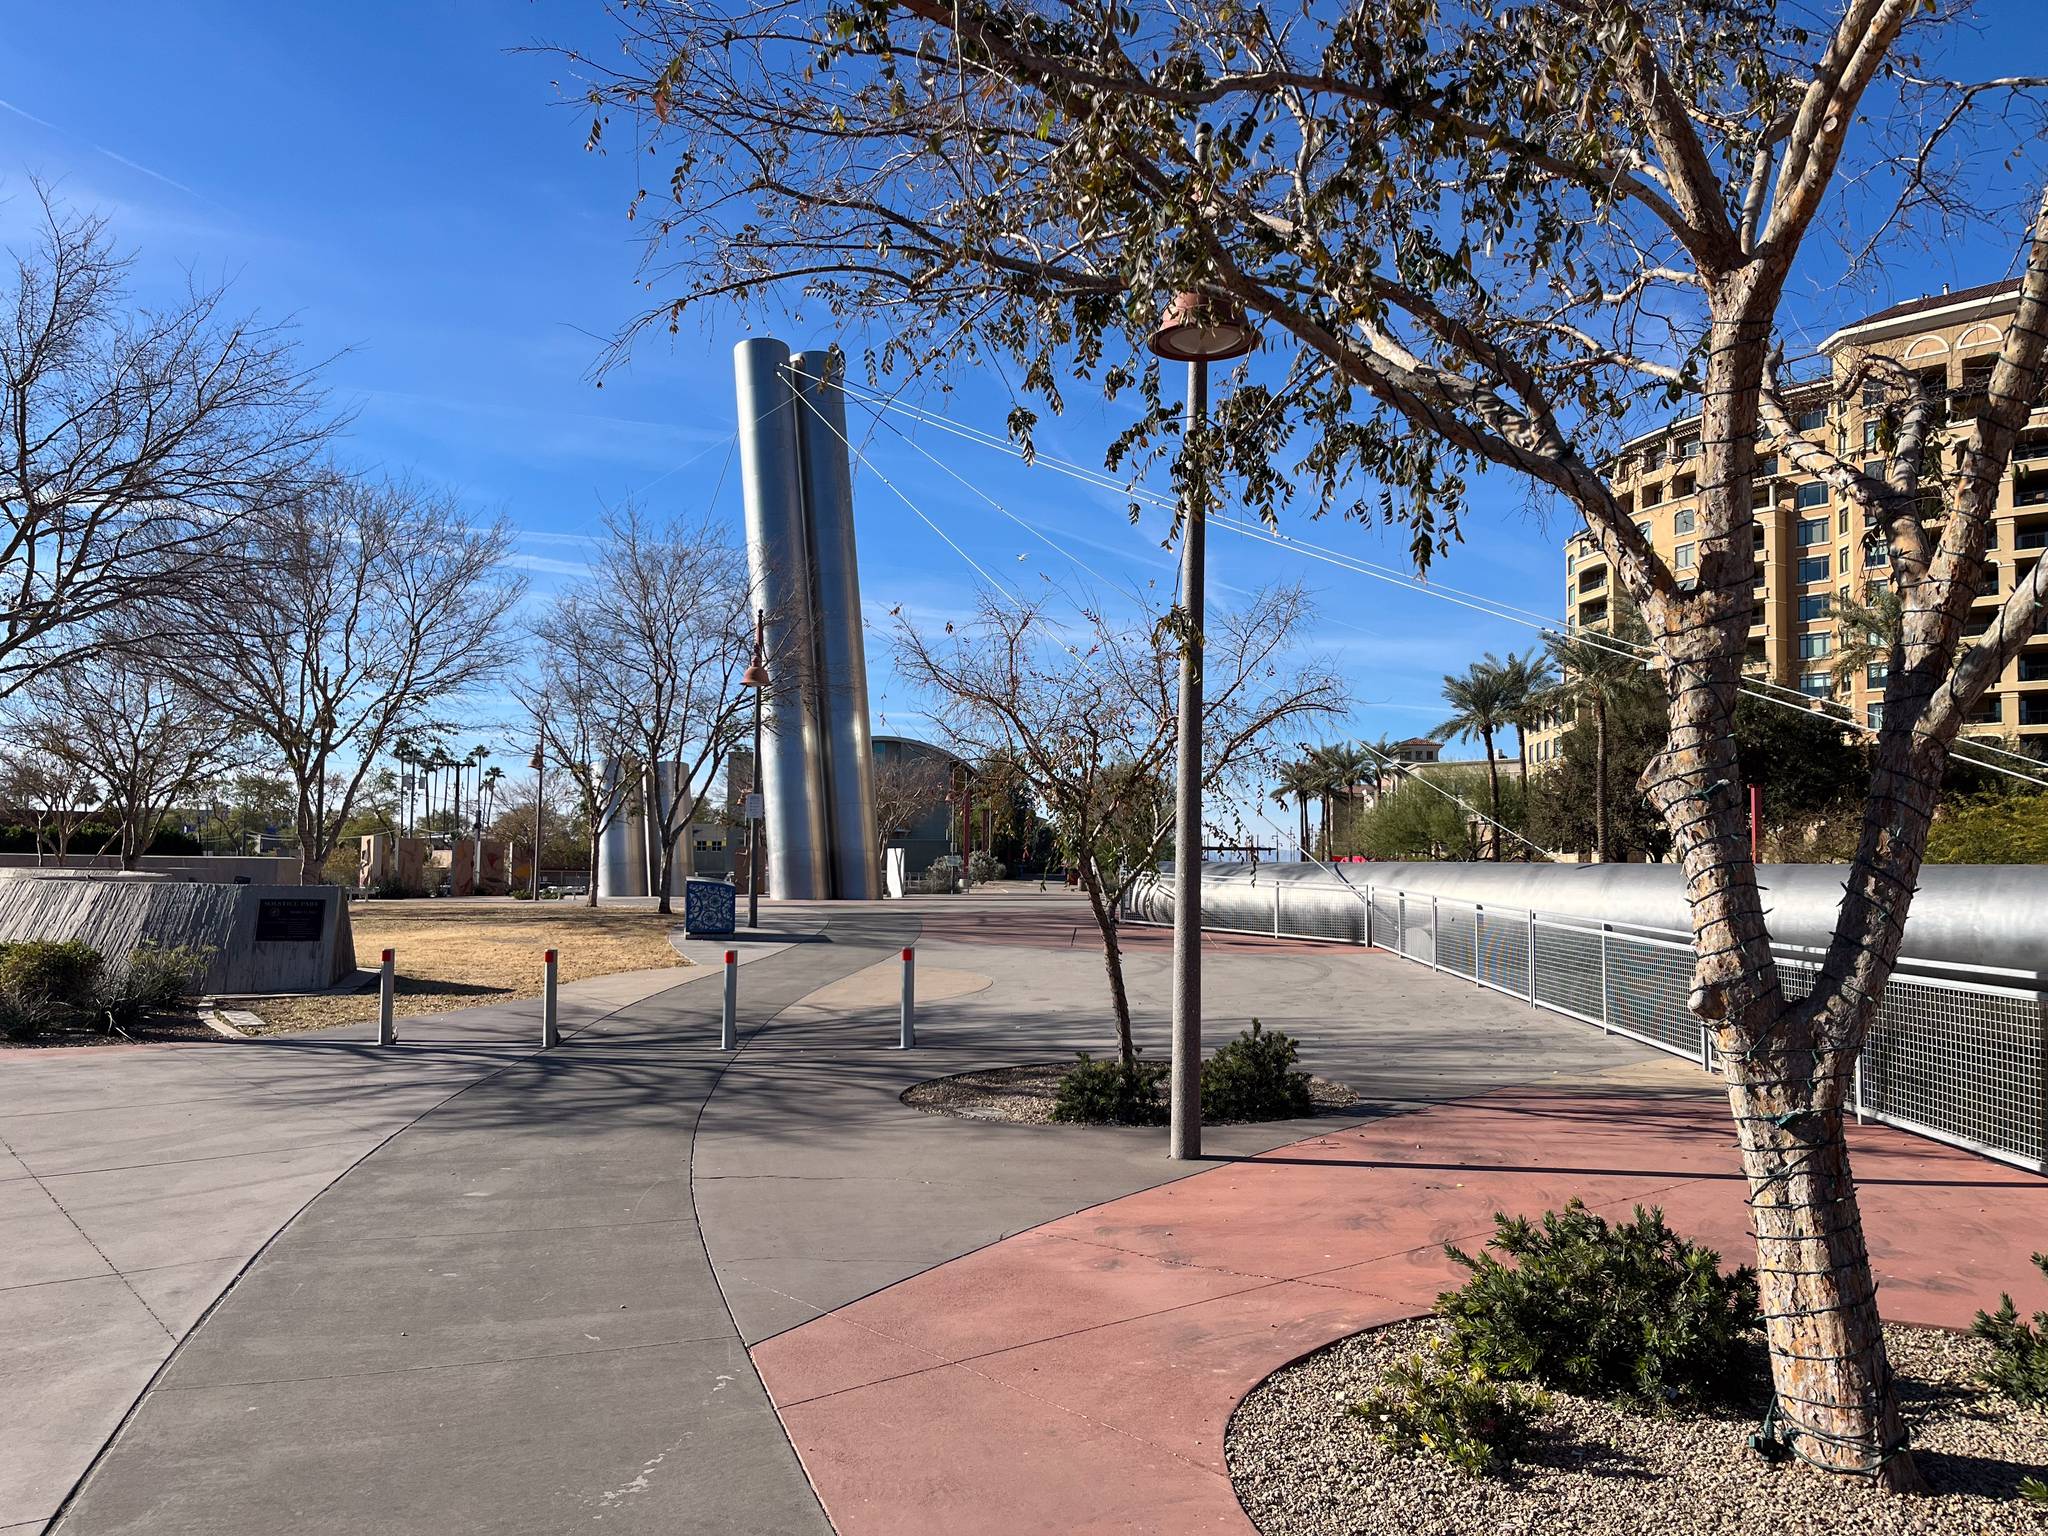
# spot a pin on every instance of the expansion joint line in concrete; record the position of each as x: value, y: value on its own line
x: 51, y: 1195
x: 179, y: 1341
x: 696, y: 1221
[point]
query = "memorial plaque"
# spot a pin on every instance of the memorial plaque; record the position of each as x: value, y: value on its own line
x: 288, y: 920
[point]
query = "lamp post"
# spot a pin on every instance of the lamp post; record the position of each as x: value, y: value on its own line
x: 1196, y: 329
x: 538, y: 763
x: 756, y: 678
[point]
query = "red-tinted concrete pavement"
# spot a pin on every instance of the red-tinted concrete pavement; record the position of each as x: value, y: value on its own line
x: 1077, y: 1377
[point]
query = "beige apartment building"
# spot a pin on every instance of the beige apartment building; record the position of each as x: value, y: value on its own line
x: 1810, y: 545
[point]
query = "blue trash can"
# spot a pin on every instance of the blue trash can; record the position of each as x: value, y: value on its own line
x: 708, y: 907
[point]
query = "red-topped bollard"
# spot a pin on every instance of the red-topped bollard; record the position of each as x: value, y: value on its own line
x: 907, y: 1036
x: 387, y: 988
x: 729, y: 1023
x: 550, y: 1024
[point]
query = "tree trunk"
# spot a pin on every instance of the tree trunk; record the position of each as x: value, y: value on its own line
x: 1112, y: 960
x: 1787, y: 1064
x: 1835, y: 1401
x: 668, y: 871
x: 1301, y: 805
x: 1600, y: 851
x: 1493, y: 791
x: 590, y: 887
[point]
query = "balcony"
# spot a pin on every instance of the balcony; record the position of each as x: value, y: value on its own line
x: 2031, y: 538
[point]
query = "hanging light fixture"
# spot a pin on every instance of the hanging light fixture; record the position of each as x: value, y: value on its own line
x: 1202, y: 328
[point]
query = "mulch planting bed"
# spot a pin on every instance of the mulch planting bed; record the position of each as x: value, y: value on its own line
x: 1024, y: 1095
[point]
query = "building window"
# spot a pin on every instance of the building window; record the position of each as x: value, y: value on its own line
x: 1767, y: 465
x: 1682, y: 558
x: 1842, y: 522
x: 1816, y: 685
x: 2033, y: 709
x: 1813, y: 647
x: 1870, y: 429
x: 2034, y: 667
x: 1653, y: 457
x: 1873, y: 716
x: 1813, y: 607
x: 1812, y: 494
x: 1681, y: 522
x: 1811, y: 421
x: 1813, y: 568
x: 1875, y: 674
x: 1876, y: 553
x: 1812, y: 530
x: 1652, y: 494
x: 1644, y: 530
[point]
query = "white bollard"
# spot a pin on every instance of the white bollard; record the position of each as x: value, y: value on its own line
x: 729, y: 1024
x: 550, y: 1024
x: 387, y: 989
x: 908, y: 1036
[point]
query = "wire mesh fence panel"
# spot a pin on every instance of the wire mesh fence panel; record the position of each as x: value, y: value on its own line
x: 1647, y: 985
x: 1568, y: 969
x: 1964, y: 1064
x: 1386, y: 919
x: 1454, y: 938
x: 1335, y: 915
x: 1507, y: 950
x: 1415, y: 943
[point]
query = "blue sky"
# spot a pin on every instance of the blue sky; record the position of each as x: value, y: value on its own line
x: 413, y: 193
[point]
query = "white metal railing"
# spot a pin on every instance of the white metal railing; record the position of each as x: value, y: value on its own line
x: 1961, y: 1061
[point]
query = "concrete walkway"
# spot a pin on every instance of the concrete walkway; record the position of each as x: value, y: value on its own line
x: 519, y: 1292
x: 137, y: 1181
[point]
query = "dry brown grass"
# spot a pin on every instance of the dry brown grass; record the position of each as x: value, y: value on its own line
x: 450, y: 955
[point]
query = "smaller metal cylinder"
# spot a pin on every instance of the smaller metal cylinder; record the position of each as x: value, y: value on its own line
x: 387, y: 990
x: 550, y: 1025
x: 907, y: 1035
x: 729, y: 1021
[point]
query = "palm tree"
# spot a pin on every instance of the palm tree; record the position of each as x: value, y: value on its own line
x: 1526, y: 678
x: 1484, y: 699
x: 1299, y: 781
x: 1865, y: 634
x: 1601, y: 674
x: 1347, y: 764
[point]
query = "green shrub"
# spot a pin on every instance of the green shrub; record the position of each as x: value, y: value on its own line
x: 154, y: 978
x: 24, y: 1015
x: 55, y: 970
x: 2019, y: 1352
x: 1631, y: 1310
x: 1109, y: 1093
x: 1253, y: 1078
x: 1439, y: 1401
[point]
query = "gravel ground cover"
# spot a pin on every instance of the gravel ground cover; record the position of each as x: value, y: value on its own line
x: 1304, y: 1465
x: 463, y: 956
x: 1024, y: 1095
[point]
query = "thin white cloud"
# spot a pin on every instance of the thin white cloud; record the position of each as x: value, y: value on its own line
x: 547, y: 565
x: 143, y: 169
x: 39, y: 122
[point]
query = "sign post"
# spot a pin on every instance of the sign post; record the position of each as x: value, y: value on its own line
x: 907, y: 1037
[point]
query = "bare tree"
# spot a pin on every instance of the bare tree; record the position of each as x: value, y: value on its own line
x: 133, y: 441
x: 120, y: 718
x: 661, y: 633
x: 1478, y: 236
x: 583, y: 731
x: 1088, y: 725
x: 907, y: 786
x: 54, y: 791
x: 364, y: 606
